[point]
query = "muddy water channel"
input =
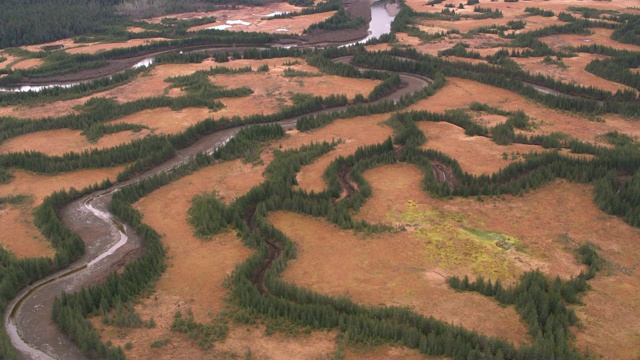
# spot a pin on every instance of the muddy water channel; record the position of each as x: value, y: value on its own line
x: 28, y: 318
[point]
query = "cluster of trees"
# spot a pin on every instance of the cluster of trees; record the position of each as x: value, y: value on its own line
x: 460, y: 50
x: 181, y: 57
x: 291, y: 72
x: 5, y: 176
x: 338, y: 21
x: 207, y: 215
x: 619, y: 197
x: 488, y: 12
x: 616, y: 67
x: 152, y: 147
x: 307, y: 123
x: 39, y: 21
x: 535, y: 11
x: 200, y: 91
x: 542, y: 303
x: 591, y: 13
x: 614, y: 70
x: 628, y: 30
x: 204, y: 334
x: 385, y: 88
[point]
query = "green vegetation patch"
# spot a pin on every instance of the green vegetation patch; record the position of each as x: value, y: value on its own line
x: 498, y: 239
x: 5, y: 176
x: 451, y: 244
x: 160, y: 343
x: 207, y: 215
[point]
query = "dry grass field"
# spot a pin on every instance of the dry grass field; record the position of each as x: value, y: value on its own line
x: 66, y: 141
x: 20, y: 235
x: 27, y: 64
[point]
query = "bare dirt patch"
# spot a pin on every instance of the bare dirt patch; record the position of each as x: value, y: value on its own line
x: 574, y: 72
x: 460, y: 93
x: 59, y: 142
x: 65, y: 43
x: 20, y: 236
x: 317, y: 345
x: 378, y: 47
x: 27, y: 64
x: 92, y: 48
x: 55, y: 109
x: 8, y: 59
x: 599, y: 36
x: 388, y: 269
x: 295, y: 25
x: 135, y: 29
